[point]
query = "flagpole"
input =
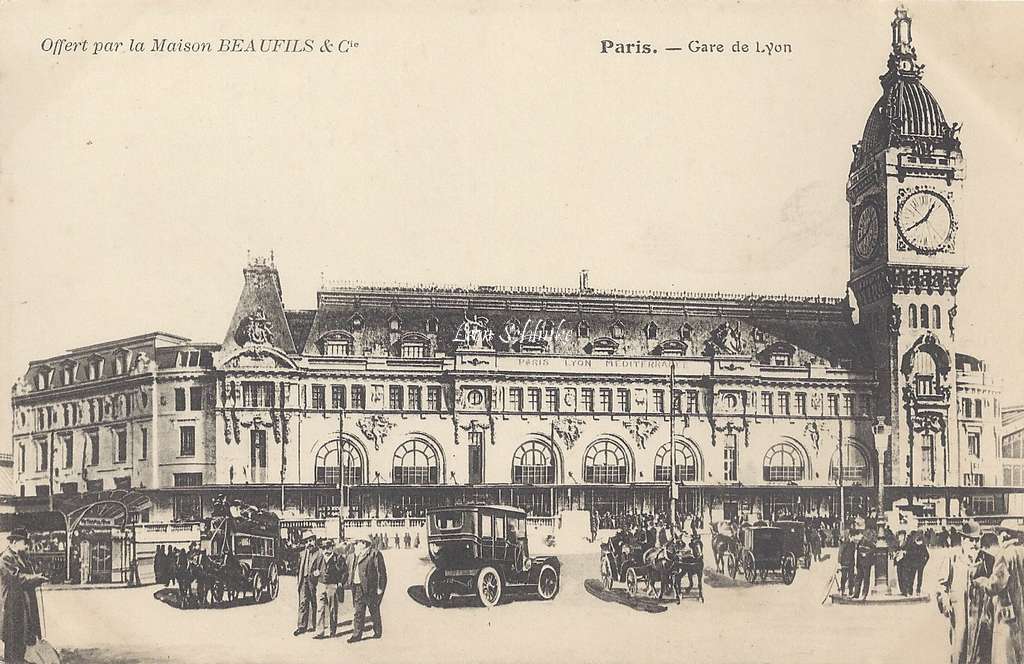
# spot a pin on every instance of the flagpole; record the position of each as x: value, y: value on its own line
x: 672, y: 440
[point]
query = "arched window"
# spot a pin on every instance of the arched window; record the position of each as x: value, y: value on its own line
x: 415, y: 463
x: 651, y: 331
x: 686, y: 464
x: 431, y: 325
x: 855, y: 467
x: 925, y: 374
x: 618, y: 330
x: 936, y: 317
x: 533, y: 463
x: 605, y: 463
x: 395, y: 324
x: 783, y: 463
x: 924, y: 316
x: 913, y: 315
x: 327, y: 470
x: 583, y: 330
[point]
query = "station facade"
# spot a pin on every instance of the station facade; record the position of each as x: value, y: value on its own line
x: 389, y: 400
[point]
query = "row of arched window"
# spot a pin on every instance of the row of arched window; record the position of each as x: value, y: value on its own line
x: 605, y: 462
x: 926, y: 317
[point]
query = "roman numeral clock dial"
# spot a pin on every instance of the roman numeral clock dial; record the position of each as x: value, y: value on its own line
x: 925, y: 222
x: 865, y: 241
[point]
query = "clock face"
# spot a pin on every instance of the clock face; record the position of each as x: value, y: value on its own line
x: 865, y: 241
x: 925, y: 221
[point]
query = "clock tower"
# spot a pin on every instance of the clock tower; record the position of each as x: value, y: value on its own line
x: 905, y: 195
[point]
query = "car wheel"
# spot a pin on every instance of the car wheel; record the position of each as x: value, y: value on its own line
x: 547, y: 582
x: 489, y: 586
x: 436, y: 596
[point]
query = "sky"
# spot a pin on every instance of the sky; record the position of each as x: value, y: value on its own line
x: 472, y: 143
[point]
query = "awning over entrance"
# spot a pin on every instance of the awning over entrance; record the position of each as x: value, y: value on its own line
x: 113, y: 505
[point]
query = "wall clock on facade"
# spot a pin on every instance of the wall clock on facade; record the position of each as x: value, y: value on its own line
x: 865, y: 241
x: 925, y: 221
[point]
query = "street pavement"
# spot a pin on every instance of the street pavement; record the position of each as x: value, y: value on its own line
x: 737, y: 623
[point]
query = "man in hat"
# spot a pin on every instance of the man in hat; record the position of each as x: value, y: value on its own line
x: 309, y: 561
x: 368, y: 577
x: 330, y: 588
x: 19, y: 613
x: 917, y: 557
x: 1006, y: 586
x: 954, y: 596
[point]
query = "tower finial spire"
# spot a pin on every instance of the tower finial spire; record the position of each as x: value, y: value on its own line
x: 903, y: 60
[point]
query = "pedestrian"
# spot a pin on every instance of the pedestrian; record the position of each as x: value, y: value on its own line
x: 398, y: 543
x: 865, y: 560
x: 847, y: 560
x: 19, y: 612
x: 309, y: 561
x: 955, y: 600
x: 417, y: 540
x: 330, y: 588
x: 408, y: 539
x: 368, y: 578
x: 917, y: 552
x: 900, y: 555
x: 1006, y: 585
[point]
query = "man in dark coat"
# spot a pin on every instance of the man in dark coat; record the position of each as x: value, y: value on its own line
x: 19, y: 612
x: 368, y: 577
x: 847, y: 562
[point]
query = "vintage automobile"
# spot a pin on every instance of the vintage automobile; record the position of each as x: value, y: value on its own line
x: 482, y: 550
x: 796, y: 541
x: 763, y: 550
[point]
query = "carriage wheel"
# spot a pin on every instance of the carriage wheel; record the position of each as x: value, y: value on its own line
x: 632, y: 585
x: 749, y: 567
x: 547, y: 582
x: 606, y: 573
x: 273, y: 582
x: 232, y: 594
x: 488, y: 586
x: 436, y: 596
x: 788, y: 568
x: 729, y: 561
x: 256, y: 586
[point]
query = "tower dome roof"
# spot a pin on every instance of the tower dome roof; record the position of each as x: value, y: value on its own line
x: 907, y: 113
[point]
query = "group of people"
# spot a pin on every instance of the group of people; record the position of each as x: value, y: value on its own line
x: 166, y: 560
x: 982, y: 595
x: 326, y: 568
x: 382, y: 541
x: 647, y: 531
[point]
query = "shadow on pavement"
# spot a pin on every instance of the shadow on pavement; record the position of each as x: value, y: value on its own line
x: 170, y: 597
x: 620, y: 596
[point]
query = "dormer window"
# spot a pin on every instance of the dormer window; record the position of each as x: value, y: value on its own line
x: 67, y: 374
x: 336, y: 344
x: 186, y: 358
x: 779, y: 354
x: 120, y: 362
x: 618, y: 330
x: 94, y: 368
x: 583, y: 330
x: 431, y: 325
x: 670, y: 348
x: 538, y: 345
x: 43, y: 375
x: 651, y: 331
x: 603, y: 346
x: 414, y: 346
x: 356, y: 322
x: 395, y: 324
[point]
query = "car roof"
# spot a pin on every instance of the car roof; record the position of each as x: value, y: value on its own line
x: 515, y: 511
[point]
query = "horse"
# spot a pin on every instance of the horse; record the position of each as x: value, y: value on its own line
x: 689, y: 562
x: 204, y: 572
x: 184, y: 576
x: 720, y: 545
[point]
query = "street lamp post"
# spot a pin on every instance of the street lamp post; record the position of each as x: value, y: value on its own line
x: 674, y: 488
x: 881, y: 431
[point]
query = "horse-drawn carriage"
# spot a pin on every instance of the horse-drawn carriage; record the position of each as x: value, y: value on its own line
x: 661, y: 567
x: 238, y: 557
x: 764, y: 550
x: 796, y: 541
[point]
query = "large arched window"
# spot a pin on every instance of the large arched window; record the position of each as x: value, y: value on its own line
x: 326, y: 469
x: 533, y: 463
x: 605, y: 463
x: 783, y: 463
x: 925, y: 374
x: 336, y: 344
x: 854, y: 465
x: 913, y: 315
x: 415, y: 463
x: 686, y: 464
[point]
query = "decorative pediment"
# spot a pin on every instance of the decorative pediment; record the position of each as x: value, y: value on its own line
x: 602, y: 346
x: 671, y: 348
x: 261, y: 357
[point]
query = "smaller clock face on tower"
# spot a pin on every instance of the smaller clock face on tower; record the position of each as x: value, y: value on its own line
x: 925, y: 221
x: 866, y: 233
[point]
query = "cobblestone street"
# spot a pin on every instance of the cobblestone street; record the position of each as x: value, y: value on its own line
x: 764, y: 623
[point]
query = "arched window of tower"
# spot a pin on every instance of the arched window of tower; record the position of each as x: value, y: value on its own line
x: 924, y: 316
x: 936, y: 317
x: 913, y: 315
